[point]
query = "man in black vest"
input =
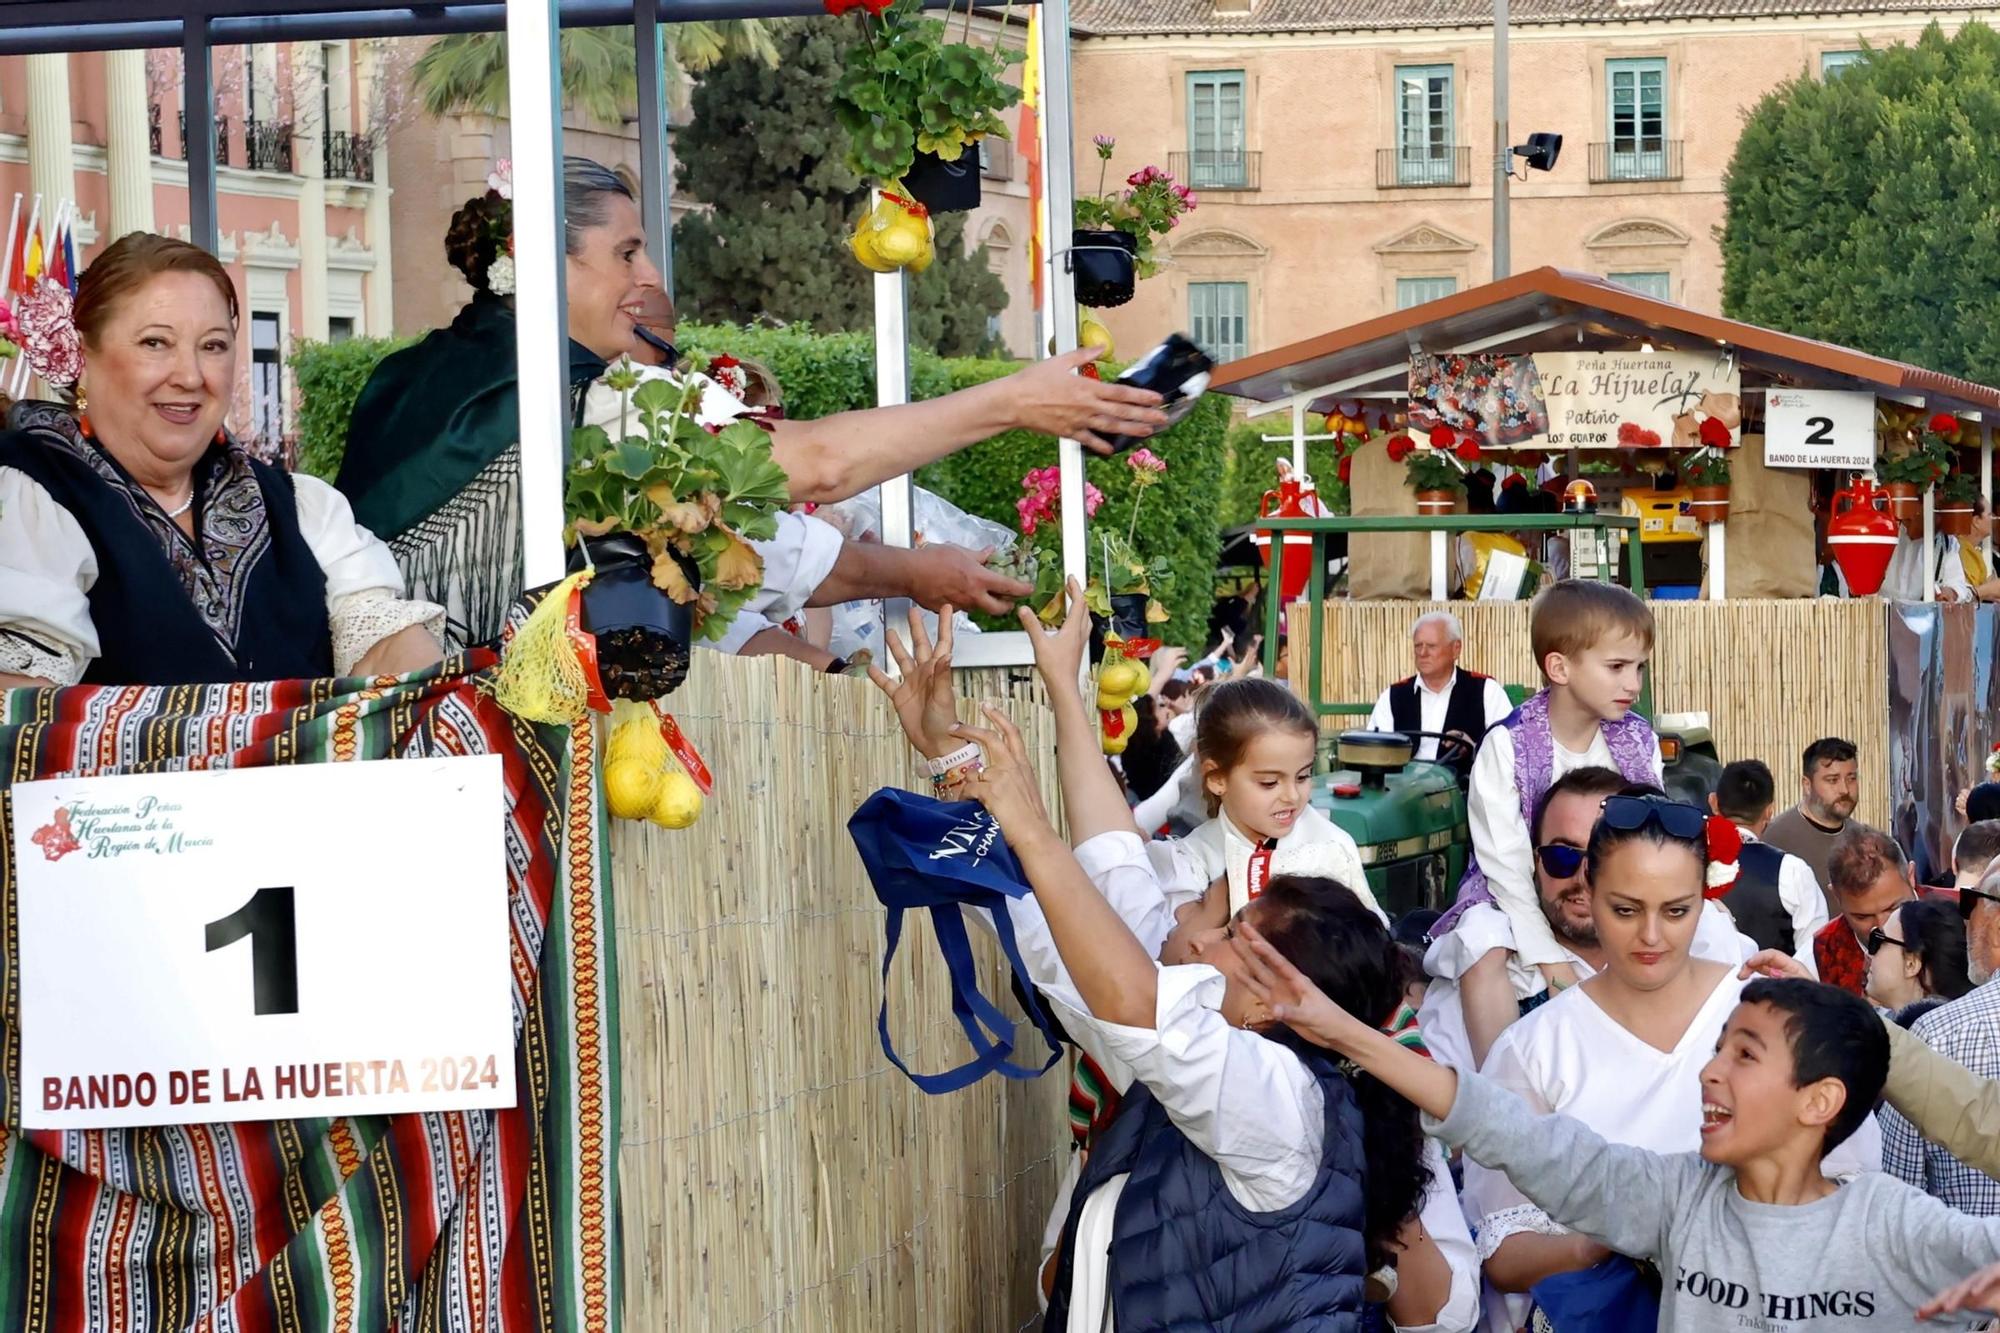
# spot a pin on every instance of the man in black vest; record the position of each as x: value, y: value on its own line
x: 1775, y: 900
x: 1441, y: 697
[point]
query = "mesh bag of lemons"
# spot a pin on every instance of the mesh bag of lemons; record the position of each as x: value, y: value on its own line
x: 895, y: 233
x: 1120, y: 681
x: 642, y: 779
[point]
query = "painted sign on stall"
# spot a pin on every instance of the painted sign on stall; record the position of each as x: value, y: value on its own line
x: 1808, y: 428
x: 252, y: 944
x: 1577, y: 400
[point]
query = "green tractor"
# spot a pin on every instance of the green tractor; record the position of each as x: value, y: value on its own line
x: 1407, y: 815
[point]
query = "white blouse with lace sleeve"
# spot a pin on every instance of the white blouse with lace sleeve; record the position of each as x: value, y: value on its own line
x: 47, y: 568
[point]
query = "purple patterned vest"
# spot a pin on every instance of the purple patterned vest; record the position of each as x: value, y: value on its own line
x: 1634, y: 749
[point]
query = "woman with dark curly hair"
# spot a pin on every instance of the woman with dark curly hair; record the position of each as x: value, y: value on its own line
x: 1244, y: 1181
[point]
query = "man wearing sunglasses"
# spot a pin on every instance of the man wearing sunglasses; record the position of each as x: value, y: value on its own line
x: 1478, y: 956
x: 1967, y: 1032
x: 1870, y: 878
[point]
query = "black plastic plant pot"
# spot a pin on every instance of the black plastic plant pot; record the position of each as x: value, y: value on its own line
x: 1098, y: 625
x: 945, y: 187
x: 1104, y: 265
x: 1128, y: 614
x: 643, y: 635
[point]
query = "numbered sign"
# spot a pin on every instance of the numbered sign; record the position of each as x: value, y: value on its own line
x: 1806, y: 428
x: 266, y: 943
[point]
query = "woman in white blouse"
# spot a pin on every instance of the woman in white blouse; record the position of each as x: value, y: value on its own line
x: 1254, y: 1106
x: 140, y: 545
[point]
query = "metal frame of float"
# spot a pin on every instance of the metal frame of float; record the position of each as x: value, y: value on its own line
x: 535, y: 111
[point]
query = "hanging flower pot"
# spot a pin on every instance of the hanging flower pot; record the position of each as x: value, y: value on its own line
x: 1906, y: 505
x: 1430, y: 504
x: 1953, y: 517
x: 946, y: 187
x: 642, y: 634
x: 1861, y: 537
x: 1710, y: 504
x: 1104, y: 265
x: 1128, y: 614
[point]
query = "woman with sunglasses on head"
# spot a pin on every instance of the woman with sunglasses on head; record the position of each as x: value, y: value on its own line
x: 1618, y: 1052
x: 1916, y: 959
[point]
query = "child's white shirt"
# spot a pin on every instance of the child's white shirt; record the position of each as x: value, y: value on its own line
x: 1315, y: 846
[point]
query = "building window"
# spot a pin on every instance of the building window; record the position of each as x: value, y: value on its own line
x: 1219, y: 314
x: 1416, y: 291
x: 1659, y: 286
x: 1638, y: 118
x: 1423, y: 125
x: 339, y: 328
x: 1216, y: 159
x: 267, y: 377
x: 1832, y: 62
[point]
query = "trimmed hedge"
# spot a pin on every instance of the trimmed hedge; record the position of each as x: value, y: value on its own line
x: 330, y: 377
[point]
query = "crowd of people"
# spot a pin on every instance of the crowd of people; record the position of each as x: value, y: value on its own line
x: 1659, y: 1066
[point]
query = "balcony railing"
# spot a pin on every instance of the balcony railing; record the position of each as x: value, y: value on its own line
x: 1641, y: 159
x: 349, y: 157
x: 153, y: 127
x: 267, y: 145
x: 1218, y: 169
x: 996, y: 159
x: 1422, y: 168
x: 221, y: 139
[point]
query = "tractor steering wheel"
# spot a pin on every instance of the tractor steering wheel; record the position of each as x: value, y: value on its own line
x: 1454, y: 748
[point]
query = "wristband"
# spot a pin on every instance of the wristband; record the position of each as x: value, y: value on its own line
x: 963, y: 755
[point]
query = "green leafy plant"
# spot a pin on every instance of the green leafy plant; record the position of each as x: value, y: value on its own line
x: 1149, y: 207
x: 1923, y: 464
x: 330, y: 377
x: 1432, y: 470
x: 910, y: 90
x: 1705, y: 467
x: 666, y: 479
x: 1959, y: 488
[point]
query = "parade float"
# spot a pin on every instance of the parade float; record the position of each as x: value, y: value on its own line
x: 698, y: 1127
x: 1680, y: 429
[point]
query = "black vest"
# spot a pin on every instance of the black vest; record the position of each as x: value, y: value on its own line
x: 1753, y: 900
x: 1464, y: 708
x: 148, y: 630
x: 1186, y: 1255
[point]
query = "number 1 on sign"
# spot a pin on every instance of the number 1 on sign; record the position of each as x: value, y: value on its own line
x: 269, y: 921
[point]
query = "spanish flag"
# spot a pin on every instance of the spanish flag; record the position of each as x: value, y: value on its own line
x: 33, y: 268
x: 1029, y: 141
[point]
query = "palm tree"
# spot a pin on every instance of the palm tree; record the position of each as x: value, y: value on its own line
x: 468, y: 72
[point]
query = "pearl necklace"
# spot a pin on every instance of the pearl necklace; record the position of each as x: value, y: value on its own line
x: 185, y: 505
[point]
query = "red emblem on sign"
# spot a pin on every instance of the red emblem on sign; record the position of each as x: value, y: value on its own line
x: 56, y: 839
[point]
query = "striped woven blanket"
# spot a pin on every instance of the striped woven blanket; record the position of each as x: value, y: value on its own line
x: 501, y: 1221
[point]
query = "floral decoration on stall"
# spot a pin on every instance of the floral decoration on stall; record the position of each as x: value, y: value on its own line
x: 908, y: 90
x: 1436, y: 463
x: 1151, y: 205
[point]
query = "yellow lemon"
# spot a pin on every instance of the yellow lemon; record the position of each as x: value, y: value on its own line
x: 638, y: 741
x: 1124, y: 678
x: 1091, y: 333
x: 862, y: 243
x: 903, y: 241
x: 679, y: 802
x: 1110, y: 700
x: 631, y: 787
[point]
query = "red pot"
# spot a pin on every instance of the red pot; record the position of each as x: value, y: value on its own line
x: 1710, y: 504
x: 1953, y: 517
x: 1433, y: 503
x: 1862, y: 536
x: 1906, y: 505
x: 1295, y: 558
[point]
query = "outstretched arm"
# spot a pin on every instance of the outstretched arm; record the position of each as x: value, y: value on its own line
x: 844, y: 454
x: 1091, y: 797
x: 930, y: 576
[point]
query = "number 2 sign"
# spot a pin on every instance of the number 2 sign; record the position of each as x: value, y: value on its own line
x: 1808, y: 428
x: 256, y: 944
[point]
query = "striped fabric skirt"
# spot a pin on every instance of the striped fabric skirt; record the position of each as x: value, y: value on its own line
x: 457, y: 1222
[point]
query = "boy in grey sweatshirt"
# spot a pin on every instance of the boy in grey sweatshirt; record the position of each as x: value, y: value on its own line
x: 1748, y: 1233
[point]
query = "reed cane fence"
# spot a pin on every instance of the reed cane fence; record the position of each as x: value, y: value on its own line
x: 777, y: 1171
x: 1773, y: 676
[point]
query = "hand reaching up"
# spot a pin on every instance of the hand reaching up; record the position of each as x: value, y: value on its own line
x: 1059, y: 653
x: 923, y: 697
x: 1006, y: 784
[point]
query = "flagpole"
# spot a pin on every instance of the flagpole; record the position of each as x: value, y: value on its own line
x: 7, y: 259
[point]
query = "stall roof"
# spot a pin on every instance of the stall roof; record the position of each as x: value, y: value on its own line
x: 1552, y: 309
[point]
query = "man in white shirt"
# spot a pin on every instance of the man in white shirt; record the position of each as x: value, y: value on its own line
x: 1440, y: 698
x: 1776, y: 899
x: 1479, y: 951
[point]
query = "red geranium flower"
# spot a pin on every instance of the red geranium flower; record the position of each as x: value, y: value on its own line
x: 1628, y: 435
x: 1346, y: 470
x: 1943, y: 424
x: 1714, y: 434
x: 1443, y: 437
x: 839, y: 7
x: 1467, y: 450
x: 1400, y: 447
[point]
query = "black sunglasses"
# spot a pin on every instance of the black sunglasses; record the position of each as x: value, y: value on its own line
x: 658, y: 344
x: 1629, y: 814
x: 1559, y: 860
x: 1876, y: 939
x: 1968, y: 899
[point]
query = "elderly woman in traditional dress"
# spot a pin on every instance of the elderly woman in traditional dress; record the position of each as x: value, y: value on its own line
x: 140, y: 544
x: 433, y: 455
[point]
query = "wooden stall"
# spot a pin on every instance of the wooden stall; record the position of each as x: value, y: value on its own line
x: 777, y: 1171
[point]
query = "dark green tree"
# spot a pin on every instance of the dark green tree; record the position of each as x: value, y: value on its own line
x: 763, y: 152
x: 1864, y: 208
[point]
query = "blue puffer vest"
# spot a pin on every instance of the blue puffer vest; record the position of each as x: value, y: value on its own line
x: 1186, y: 1256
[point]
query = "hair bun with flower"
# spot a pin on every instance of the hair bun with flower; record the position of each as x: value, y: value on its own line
x: 1725, y: 856
x: 480, y: 240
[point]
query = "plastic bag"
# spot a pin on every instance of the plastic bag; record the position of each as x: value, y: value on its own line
x: 937, y: 522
